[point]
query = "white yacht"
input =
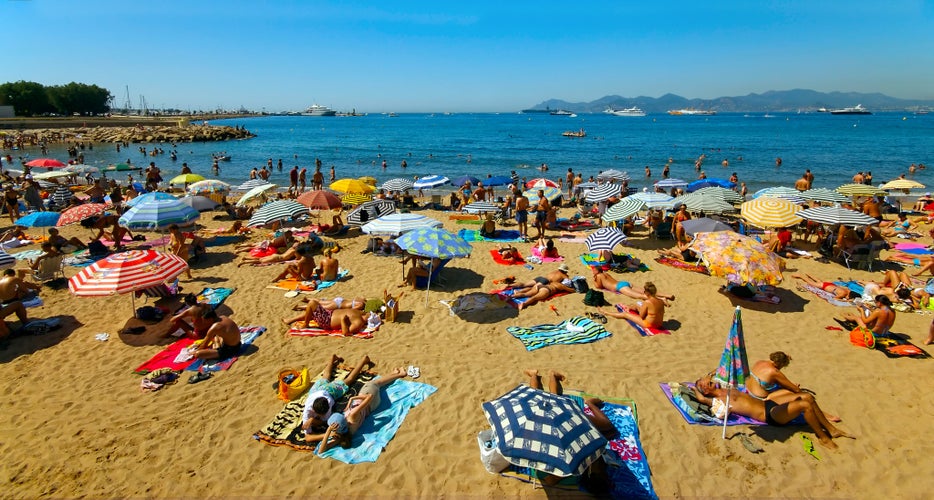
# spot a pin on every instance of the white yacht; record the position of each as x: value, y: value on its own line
x: 318, y: 110
x: 856, y: 110
x: 633, y: 111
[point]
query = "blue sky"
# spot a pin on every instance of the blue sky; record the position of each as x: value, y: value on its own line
x: 465, y: 56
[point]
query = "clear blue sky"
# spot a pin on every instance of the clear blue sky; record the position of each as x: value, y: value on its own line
x: 464, y: 56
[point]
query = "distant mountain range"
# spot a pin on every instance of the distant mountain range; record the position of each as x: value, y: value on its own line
x: 773, y: 100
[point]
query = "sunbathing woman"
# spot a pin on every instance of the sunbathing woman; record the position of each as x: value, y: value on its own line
x: 603, y: 281
x: 878, y: 321
x: 540, y: 292
x: 839, y: 292
x: 508, y: 253
x: 348, y: 321
x: 290, y: 254
x: 681, y: 252
x: 905, y: 289
x: 650, y: 313
x: 335, y: 303
x: 547, y: 248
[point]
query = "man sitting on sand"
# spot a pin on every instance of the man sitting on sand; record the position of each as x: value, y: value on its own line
x: 302, y: 269
x: 324, y: 393
x: 650, y: 312
x: 778, y: 412
x: 348, y: 320
x: 13, y: 288
x: 191, y: 319
x: 604, y: 281
x: 222, y: 329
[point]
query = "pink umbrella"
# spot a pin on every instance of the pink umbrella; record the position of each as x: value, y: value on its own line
x: 319, y: 200
x: 81, y: 212
x: 126, y: 272
x: 540, y: 183
x: 45, y: 162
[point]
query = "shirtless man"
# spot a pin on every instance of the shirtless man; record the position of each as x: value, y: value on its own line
x: 650, y: 314
x: 802, y: 184
x: 116, y: 231
x: 541, y: 213
x: 348, y: 320
x: 328, y: 267
x: 223, y: 328
x: 556, y: 276
x: 871, y: 208
x: 603, y: 281
x: 190, y: 320
x: 776, y: 412
x: 522, y: 213
x: 302, y: 269
x: 12, y: 292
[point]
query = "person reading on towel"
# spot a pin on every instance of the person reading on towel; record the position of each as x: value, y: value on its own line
x: 342, y: 426
x: 348, y: 320
x: 222, y: 340
x: 779, y: 412
x: 604, y: 281
x: 319, y: 405
x: 650, y: 312
x: 879, y: 320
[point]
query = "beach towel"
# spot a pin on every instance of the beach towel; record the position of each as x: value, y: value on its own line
x: 824, y: 294
x: 475, y: 222
x: 617, y: 265
x: 578, y: 225
x: 537, y: 252
x: 853, y: 286
x: 502, y: 235
x: 680, y: 264
x: 577, y: 330
x: 645, y: 332
x: 313, y: 330
x: 897, y: 347
x: 170, y: 357
x: 221, y: 240
x: 247, y: 335
x: 459, y: 217
x: 214, y: 296
x: 572, y: 238
x: 699, y: 414
x: 917, y: 251
x: 507, y: 295
x: 308, y: 287
x: 500, y: 260
x: 81, y: 258
x: 27, y: 254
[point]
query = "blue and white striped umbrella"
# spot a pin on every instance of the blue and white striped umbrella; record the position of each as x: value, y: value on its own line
x: 155, y: 195
x: 836, y: 215
x: 603, y: 192
x: 653, y: 200
x: 370, y: 210
x: 699, y: 203
x: 398, y: 184
x: 200, y: 203
x: 775, y: 190
x: 62, y: 196
x: 396, y: 224
x: 671, y: 183
x: 38, y: 219
x: 279, y: 210
x: 431, y: 182
x: 544, y: 431
x: 250, y: 184
x: 605, y: 238
x: 479, y: 207
x: 623, y: 209
x: 6, y: 260
x: 613, y: 175
x: 727, y: 195
x: 156, y: 215
x: 710, y: 182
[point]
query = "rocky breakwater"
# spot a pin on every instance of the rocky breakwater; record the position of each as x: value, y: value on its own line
x: 180, y: 132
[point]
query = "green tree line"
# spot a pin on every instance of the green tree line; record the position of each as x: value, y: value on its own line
x: 35, y: 99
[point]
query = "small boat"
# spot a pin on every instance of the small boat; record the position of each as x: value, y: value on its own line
x: 221, y: 157
x: 692, y: 111
x: 633, y: 111
x: 574, y: 133
x: 855, y: 110
x: 561, y: 112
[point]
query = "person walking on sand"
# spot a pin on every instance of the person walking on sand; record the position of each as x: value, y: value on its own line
x: 293, y: 179
x: 541, y: 213
x: 522, y: 213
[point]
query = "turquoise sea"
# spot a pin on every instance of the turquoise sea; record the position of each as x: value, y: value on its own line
x: 833, y: 147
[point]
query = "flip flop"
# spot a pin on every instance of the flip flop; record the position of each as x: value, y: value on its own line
x: 413, y: 371
x: 291, y: 293
x: 749, y: 444
x: 198, y: 377
x: 809, y: 446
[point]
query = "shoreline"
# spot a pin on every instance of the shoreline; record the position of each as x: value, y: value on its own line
x: 59, y: 122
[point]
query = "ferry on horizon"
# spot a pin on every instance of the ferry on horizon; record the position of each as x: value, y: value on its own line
x: 318, y: 110
x: 856, y: 110
x: 633, y: 111
x: 692, y: 111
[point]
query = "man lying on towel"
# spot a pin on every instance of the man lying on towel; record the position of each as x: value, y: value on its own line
x: 348, y: 317
x: 651, y: 311
x: 319, y: 406
x: 776, y: 412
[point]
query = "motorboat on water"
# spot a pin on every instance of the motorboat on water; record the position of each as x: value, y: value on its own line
x: 633, y: 111
x: 221, y: 157
x: 574, y: 133
x: 561, y: 112
x: 691, y: 111
x: 855, y: 110
x: 318, y: 110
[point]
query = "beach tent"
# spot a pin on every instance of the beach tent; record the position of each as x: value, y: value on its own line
x: 733, y: 369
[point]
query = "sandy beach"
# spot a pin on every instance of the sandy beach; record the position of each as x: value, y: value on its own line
x: 74, y: 423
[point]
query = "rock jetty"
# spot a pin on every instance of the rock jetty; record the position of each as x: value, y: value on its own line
x: 178, y: 133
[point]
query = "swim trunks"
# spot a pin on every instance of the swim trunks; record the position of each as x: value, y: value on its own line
x: 542, y: 281
x: 371, y: 388
x: 540, y: 216
x: 522, y: 216
x: 335, y: 389
x: 322, y: 317
x: 769, y: 405
x: 228, y: 351
x: 622, y: 284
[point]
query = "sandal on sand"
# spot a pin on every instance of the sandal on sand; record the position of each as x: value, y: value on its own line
x: 749, y: 444
x: 597, y: 316
x: 413, y: 371
x: 198, y: 377
x: 809, y: 446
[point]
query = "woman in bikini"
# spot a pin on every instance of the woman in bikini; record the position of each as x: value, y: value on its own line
x: 11, y: 200
x: 878, y: 321
x: 680, y: 217
x: 603, y: 281
x: 839, y: 292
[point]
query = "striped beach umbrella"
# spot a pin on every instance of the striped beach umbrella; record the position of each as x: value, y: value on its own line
x: 62, y: 196
x: 653, y: 200
x: 396, y: 224
x: 6, y: 260
x: 824, y: 195
x: 614, y: 175
x: 200, y: 203
x: 603, y: 192
x: 836, y: 215
x: 480, y: 207
x: 351, y: 186
x: 733, y: 369
x: 155, y: 195
x: 623, y: 209
x: 859, y: 190
x: 431, y: 182
x: 774, y: 191
x: 770, y: 212
x: 727, y: 195
x: 158, y: 214
x: 541, y: 183
x: 277, y: 211
x: 38, y: 219
x: 45, y: 163
x: 398, y: 184
x: 258, y: 192
x: 80, y: 212
x: 82, y: 169
x: 208, y: 186
x: 671, y: 183
x: 250, y: 184
x: 319, y: 200
x: 551, y: 194
x: 55, y: 174
x: 902, y: 184
x: 707, y: 204
x: 797, y: 199
x: 605, y: 238
x: 544, y: 431
x: 370, y: 210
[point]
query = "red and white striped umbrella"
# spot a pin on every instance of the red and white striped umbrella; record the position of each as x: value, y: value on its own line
x: 126, y: 272
x: 540, y: 183
x: 80, y: 212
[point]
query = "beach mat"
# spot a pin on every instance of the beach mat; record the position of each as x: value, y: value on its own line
x: 579, y: 225
x: 307, y: 287
x: 825, y: 295
x: 247, y: 335
x: 500, y: 260
x: 645, y: 332
x: 313, y: 330
x: 695, y: 417
x: 502, y: 235
x: 170, y: 357
x: 577, y: 330
x: 592, y: 260
x: 680, y: 264
x: 536, y: 252
x: 221, y: 240
x: 214, y: 296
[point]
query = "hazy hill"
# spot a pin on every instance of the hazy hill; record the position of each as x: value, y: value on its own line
x: 773, y: 100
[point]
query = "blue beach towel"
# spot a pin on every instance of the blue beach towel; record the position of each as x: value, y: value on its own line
x: 215, y: 296
x: 502, y: 235
x: 577, y: 330
x: 852, y: 285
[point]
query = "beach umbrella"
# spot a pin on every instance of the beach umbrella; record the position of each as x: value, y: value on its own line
x: 460, y: 181
x: 497, y: 180
x: 398, y: 184
x: 396, y: 224
x: 366, y: 179
x: 603, y: 192
x: 433, y: 242
x: 55, y: 174
x: 370, y: 210
x: 727, y: 195
x: 711, y: 182
x: 186, y: 179
x: 653, y: 199
x: 836, y: 215
x: 797, y: 199
x: 774, y: 191
x: 623, y: 209
x: 859, y: 190
x: 355, y: 198
x: 256, y: 192
x: 158, y: 214
x: 613, y: 175
x: 121, y: 167
x: 704, y: 225
x: 62, y: 196
x: 586, y: 185
x: 200, y: 203
x: 38, y: 219
x: 733, y: 369
x: 671, y: 183
x: 770, y: 212
x: 80, y: 212
x: 479, y: 207
x: 250, y: 184
x: 319, y: 200
x: 6, y: 260
x: 126, y: 272
x: 902, y: 184
x: 82, y: 169
x: 45, y: 162
x: 155, y: 195
x: 541, y: 183
x: 277, y: 211
x: 208, y: 186
x: 431, y: 182
x: 353, y: 186
x: 544, y: 431
x: 824, y: 195
x: 740, y: 259
x: 551, y: 194
x: 706, y: 204
x: 605, y: 238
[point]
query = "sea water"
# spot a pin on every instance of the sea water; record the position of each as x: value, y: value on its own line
x: 833, y: 147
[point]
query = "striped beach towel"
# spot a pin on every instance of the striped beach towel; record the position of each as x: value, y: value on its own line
x: 313, y: 330
x: 680, y: 264
x: 577, y: 330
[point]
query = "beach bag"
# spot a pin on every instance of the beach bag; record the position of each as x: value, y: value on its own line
x: 149, y: 313
x: 579, y: 283
x: 157, y: 379
x: 293, y: 383
x: 493, y: 461
x: 862, y: 337
x: 595, y: 298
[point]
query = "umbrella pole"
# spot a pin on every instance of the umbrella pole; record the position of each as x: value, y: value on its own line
x: 729, y: 391
x: 133, y: 302
x: 428, y: 287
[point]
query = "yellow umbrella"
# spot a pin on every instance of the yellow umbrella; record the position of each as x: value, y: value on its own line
x: 352, y: 186
x: 770, y: 212
x: 355, y: 199
x: 902, y: 184
x: 186, y: 179
x: 859, y: 190
x: 368, y: 180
